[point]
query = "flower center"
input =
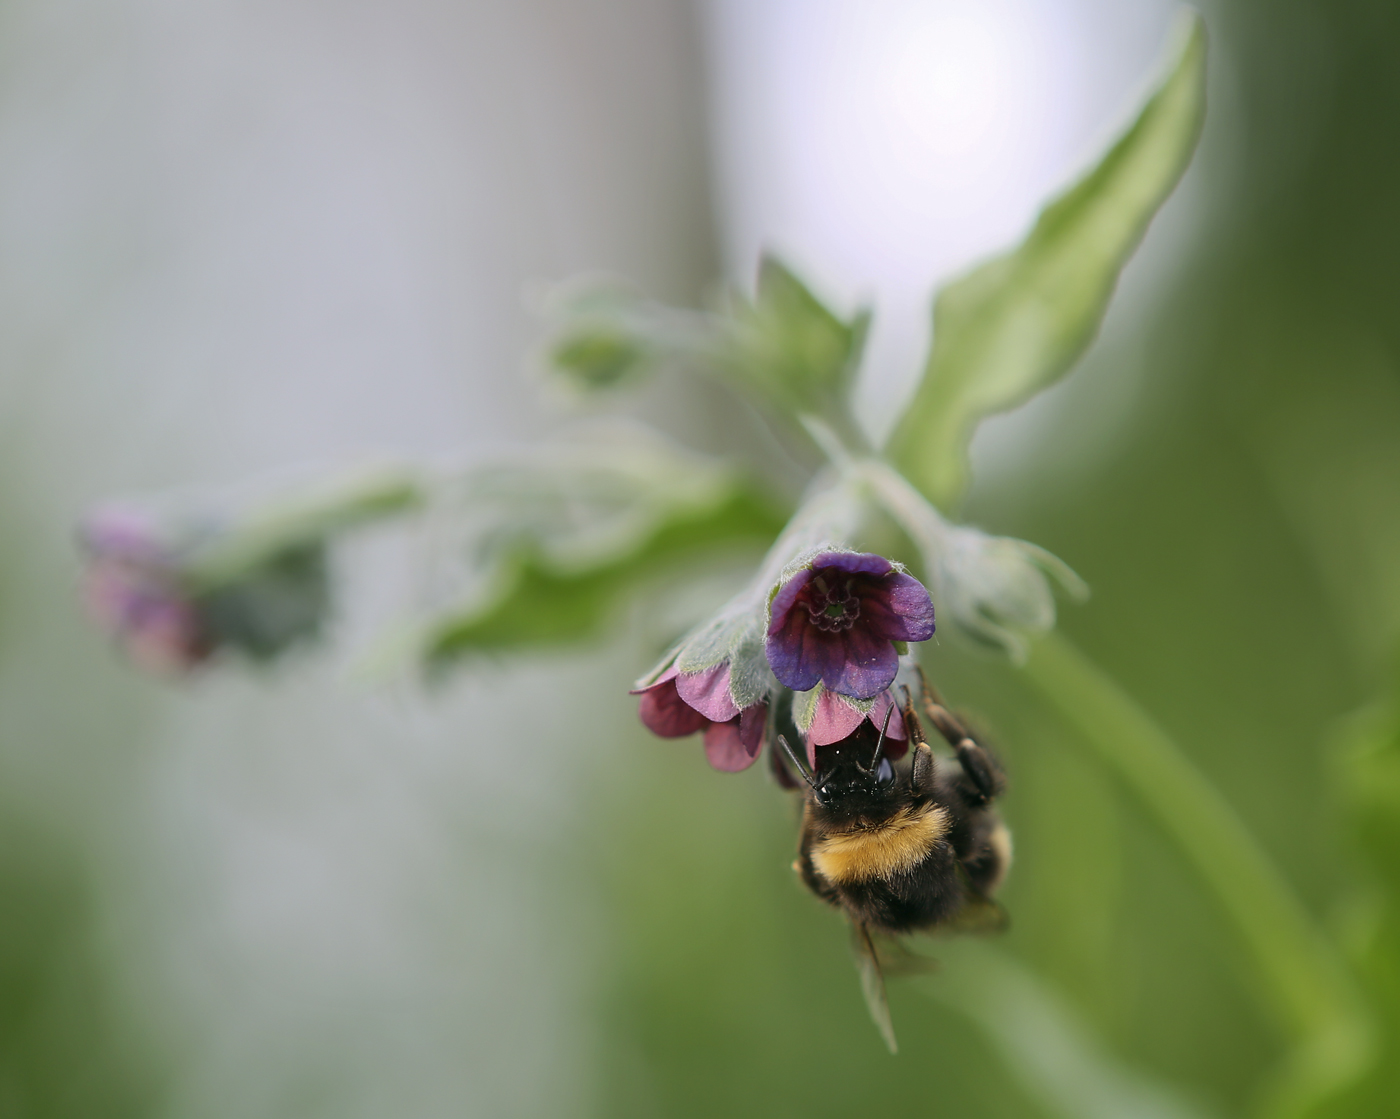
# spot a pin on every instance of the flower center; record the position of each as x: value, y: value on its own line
x: 833, y: 607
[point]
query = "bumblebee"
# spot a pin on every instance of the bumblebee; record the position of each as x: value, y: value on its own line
x: 903, y: 851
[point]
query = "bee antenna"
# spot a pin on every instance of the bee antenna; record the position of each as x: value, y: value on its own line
x: 802, y: 769
x: 880, y: 745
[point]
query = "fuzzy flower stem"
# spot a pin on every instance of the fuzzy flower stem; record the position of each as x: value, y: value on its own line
x: 1312, y: 994
x: 830, y: 514
x: 924, y: 524
x: 365, y: 497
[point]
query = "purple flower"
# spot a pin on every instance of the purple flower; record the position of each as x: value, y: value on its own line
x: 134, y: 590
x: 836, y: 621
x: 681, y: 703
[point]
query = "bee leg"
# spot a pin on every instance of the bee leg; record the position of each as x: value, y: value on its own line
x: 979, y: 765
x: 912, y: 725
x: 981, y: 769
x: 921, y: 773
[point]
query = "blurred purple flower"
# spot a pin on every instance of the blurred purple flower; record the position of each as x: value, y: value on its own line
x: 836, y: 621
x: 681, y: 703
x: 134, y: 590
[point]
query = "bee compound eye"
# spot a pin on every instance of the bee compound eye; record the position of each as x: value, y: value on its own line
x: 884, y: 772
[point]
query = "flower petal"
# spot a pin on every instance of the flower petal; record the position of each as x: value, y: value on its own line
x: 663, y: 712
x: 878, y: 712
x: 853, y: 563
x: 833, y: 720
x: 867, y: 665
x: 897, y: 736
x: 799, y: 652
x: 669, y: 674
x: 897, y: 607
x: 752, y: 723
x: 708, y: 692
x: 725, y: 749
x: 787, y: 595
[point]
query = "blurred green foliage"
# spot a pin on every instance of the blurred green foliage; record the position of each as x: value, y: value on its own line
x: 788, y: 348
x: 64, y: 1048
x: 535, y: 601
x: 1243, y: 545
x: 1368, y: 766
x: 599, y: 359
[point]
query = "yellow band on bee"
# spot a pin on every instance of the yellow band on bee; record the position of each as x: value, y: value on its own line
x: 894, y: 845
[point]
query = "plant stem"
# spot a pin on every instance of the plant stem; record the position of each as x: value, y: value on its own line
x: 1311, y: 991
x: 306, y: 519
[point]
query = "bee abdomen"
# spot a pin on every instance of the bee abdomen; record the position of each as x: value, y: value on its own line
x: 925, y: 897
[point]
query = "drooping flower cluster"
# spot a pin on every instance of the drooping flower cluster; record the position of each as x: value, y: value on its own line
x: 679, y: 704
x: 835, y: 625
x: 150, y: 584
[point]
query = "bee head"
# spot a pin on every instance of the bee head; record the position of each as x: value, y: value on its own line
x: 850, y: 776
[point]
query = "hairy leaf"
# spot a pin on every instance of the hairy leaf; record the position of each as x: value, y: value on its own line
x: 790, y: 349
x: 285, y: 528
x: 1017, y: 323
x: 537, y: 602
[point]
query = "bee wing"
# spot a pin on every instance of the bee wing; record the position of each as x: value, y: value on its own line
x: 872, y: 983
x: 979, y: 914
x: 896, y: 957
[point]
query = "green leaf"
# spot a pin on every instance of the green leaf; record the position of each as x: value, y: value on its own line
x: 790, y: 349
x: 284, y: 601
x: 1016, y: 324
x: 598, y: 358
x: 1370, y: 787
x: 603, y: 334
x: 268, y: 535
x: 538, y: 602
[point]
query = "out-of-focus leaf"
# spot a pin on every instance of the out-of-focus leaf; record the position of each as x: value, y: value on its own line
x: 603, y: 334
x: 1046, y: 1045
x: 536, y: 601
x: 247, y: 541
x: 1309, y: 988
x: 790, y: 349
x: 282, y: 601
x: 599, y: 357
x: 1017, y: 323
x: 783, y: 349
x: 174, y: 588
x: 1370, y: 779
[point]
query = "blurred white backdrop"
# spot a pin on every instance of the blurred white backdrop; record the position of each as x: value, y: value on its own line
x: 885, y: 146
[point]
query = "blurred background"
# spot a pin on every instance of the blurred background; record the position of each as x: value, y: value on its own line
x: 239, y: 237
